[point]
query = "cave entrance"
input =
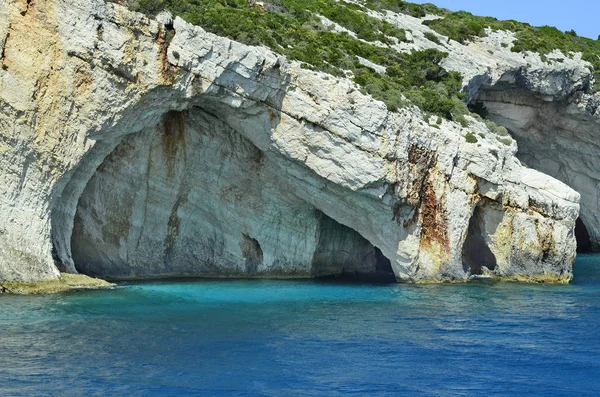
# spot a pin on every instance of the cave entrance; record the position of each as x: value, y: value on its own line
x: 476, y: 254
x: 343, y: 254
x: 584, y: 242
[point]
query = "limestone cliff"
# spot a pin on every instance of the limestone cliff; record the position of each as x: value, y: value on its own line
x: 134, y: 147
x: 544, y: 101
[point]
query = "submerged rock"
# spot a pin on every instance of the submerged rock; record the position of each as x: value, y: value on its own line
x: 133, y: 147
x: 64, y: 283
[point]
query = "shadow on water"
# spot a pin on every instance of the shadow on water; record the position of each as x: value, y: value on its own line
x: 586, y: 269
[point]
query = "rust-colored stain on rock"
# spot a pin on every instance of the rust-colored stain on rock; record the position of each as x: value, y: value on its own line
x: 434, y: 220
x: 428, y: 208
x: 164, y: 38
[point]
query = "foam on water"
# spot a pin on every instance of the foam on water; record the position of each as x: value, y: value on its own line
x: 273, y: 338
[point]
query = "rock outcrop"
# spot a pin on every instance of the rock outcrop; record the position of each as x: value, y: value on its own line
x: 545, y: 102
x: 557, y: 134
x: 132, y: 147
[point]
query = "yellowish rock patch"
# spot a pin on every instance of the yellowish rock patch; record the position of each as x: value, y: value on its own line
x: 65, y: 282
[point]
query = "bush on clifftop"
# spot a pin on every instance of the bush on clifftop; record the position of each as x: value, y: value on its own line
x: 294, y: 28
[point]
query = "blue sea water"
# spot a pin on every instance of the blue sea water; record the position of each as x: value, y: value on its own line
x: 302, y: 338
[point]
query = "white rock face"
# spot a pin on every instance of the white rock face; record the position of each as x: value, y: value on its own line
x: 132, y: 147
x: 543, y: 103
x: 557, y: 136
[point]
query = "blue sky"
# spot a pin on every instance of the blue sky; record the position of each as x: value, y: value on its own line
x: 581, y: 15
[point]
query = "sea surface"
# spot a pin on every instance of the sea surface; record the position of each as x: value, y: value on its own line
x: 306, y: 338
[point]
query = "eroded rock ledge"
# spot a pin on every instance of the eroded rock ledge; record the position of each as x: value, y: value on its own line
x: 557, y: 135
x: 132, y: 147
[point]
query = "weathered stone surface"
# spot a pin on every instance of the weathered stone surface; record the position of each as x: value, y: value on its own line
x: 544, y: 102
x: 557, y: 136
x: 64, y: 283
x: 132, y: 147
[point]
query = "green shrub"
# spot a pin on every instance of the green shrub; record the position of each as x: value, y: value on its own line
x: 460, y: 26
x: 404, y: 7
x: 501, y: 131
x: 432, y: 37
x: 463, y: 26
x: 460, y: 119
x: 470, y: 138
x: 505, y: 141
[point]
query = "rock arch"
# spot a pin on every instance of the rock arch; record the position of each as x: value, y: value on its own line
x: 556, y: 132
x: 192, y: 196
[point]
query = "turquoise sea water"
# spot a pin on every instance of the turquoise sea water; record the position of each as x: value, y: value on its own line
x: 280, y: 338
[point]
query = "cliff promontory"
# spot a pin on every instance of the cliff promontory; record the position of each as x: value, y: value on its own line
x: 136, y: 145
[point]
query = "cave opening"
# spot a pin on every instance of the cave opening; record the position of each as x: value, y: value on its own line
x: 476, y: 254
x: 190, y: 196
x: 584, y: 242
x: 343, y: 254
x: 252, y: 252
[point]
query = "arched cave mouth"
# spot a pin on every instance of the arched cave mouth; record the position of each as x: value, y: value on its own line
x: 193, y: 197
x: 343, y: 254
x: 584, y: 242
x: 477, y: 255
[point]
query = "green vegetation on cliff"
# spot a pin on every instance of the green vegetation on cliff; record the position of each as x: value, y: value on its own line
x: 463, y: 26
x: 295, y: 28
x: 403, y: 7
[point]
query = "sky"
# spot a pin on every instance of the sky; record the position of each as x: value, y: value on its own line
x: 581, y: 15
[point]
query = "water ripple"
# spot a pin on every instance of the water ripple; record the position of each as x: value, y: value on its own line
x: 275, y: 338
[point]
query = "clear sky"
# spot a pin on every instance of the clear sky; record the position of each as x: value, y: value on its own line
x: 581, y: 15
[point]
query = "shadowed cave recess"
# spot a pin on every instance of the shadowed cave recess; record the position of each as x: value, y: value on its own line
x: 584, y: 243
x: 477, y: 256
x: 193, y: 197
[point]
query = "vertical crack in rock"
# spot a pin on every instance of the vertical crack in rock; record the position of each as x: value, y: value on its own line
x: 428, y: 208
x: 434, y: 229
x: 173, y: 141
x: 173, y: 138
x: 420, y: 161
x: 100, y: 32
x: 164, y: 38
x: 3, y: 53
x: 3, y: 47
x: 174, y: 225
x: 546, y: 240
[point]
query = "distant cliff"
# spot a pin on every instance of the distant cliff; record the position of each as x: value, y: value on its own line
x: 135, y: 146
